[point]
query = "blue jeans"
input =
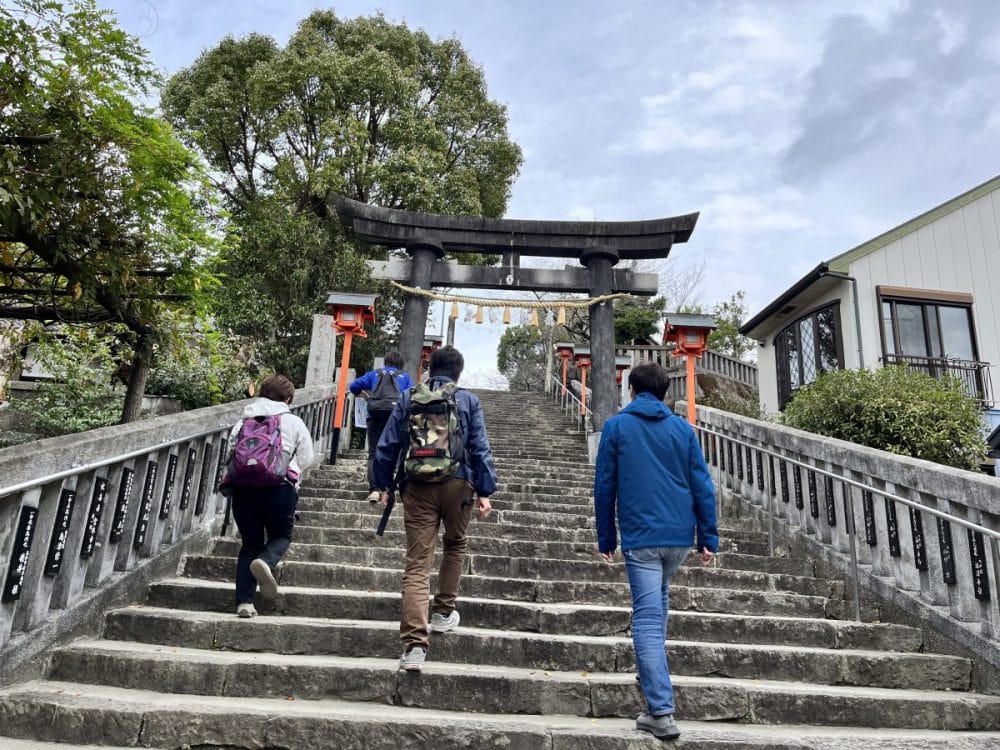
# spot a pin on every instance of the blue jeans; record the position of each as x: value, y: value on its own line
x: 265, y: 517
x: 649, y: 570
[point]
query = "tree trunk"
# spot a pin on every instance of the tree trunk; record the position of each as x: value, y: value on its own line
x: 142, y: 360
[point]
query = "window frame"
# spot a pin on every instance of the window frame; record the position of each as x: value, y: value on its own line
x: 925, y: 298
x: 782, y: 365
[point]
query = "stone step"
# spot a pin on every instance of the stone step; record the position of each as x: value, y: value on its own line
x: 507, y: 496
x: 363, y: 532
x: 552, y: 651
x: 483, y: 570
x: 8, y: 743
x: 73, y: 712
x: 733, y: 601
x: 505, y: 689
x: 378, y: 553
x: 300, y: 608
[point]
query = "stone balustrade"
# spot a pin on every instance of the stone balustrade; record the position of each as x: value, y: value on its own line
x: 78, y: 512
x: 923, y: 536
x: 710, y: 362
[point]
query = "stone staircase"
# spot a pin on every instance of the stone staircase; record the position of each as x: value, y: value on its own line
x: 760, y: 647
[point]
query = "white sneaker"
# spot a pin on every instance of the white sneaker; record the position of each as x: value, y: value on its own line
x: 413, y: 660
x: 442, y: 624
x: 245, y: 610
x: 262, y: 572
x: 373, y: 496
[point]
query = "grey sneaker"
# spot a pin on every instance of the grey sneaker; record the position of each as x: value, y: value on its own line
x: 262, y: 572
x: 245, y: 610
x: 413, y: 660
x: 442, y: 624
x: 662, y: 727
x: 373, y: 496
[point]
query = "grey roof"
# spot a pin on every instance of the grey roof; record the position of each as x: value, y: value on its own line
x: 350, y: 298
x: 699, y: 321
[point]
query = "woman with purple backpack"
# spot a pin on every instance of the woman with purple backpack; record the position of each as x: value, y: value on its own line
x: 268, y: 448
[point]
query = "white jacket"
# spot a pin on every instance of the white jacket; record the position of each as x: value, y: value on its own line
x: 296, y: 442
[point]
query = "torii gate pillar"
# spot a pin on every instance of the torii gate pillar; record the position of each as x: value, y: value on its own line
x: 411, y: 332
x: 600, y: 262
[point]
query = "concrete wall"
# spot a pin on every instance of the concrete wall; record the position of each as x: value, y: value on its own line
x: 958, y: 252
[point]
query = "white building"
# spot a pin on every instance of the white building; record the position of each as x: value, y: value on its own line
x: 926, y: 293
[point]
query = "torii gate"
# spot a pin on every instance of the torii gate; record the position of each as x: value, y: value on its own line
x: 597, y: 245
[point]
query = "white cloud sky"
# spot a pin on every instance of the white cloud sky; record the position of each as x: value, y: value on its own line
x: 798, y: 129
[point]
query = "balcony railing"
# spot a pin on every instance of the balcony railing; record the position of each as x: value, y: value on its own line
x: 975, y: 376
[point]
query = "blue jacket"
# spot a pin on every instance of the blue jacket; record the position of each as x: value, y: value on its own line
x: 478, y: 465
x: 369, y: 380
x: 651, y: 470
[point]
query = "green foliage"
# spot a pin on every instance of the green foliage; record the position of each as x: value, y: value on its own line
x: 727, y: 339
x: 638, y: 318
x: 80, y: 396
x: 102, y: 208
x: 895, y: 409
x: 362, y: 108
x: 521, y: 357
x: 207, y: 369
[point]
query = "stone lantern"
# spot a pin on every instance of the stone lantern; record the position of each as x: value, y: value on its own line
x: 350, y: 312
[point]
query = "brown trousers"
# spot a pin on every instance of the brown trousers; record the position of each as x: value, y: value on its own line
x: 425, y: 507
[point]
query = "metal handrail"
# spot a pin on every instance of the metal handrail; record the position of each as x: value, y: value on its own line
x: 569, y: 400
x: 948, y: 517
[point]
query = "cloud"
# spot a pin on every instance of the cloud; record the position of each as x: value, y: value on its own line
x: 899, y: 85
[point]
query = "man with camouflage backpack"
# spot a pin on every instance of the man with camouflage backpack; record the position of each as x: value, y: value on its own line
x: 438, y: 431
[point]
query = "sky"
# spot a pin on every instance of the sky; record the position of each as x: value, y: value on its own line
x: 797, y: 128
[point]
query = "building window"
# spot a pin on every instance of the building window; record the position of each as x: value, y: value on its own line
x: 933, y: 332
x: 924, y: 328
x: 807, y: 347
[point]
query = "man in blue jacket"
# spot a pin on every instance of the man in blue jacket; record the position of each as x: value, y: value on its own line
x: 427, y: 505
x: 652, y: 475
x: 381, y: 384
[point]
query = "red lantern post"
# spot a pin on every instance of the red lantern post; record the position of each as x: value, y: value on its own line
x: 689, y: 334
x: 581, y: 356
x: 350, y: 314
x: 565, y: 351
x: 431, y: 344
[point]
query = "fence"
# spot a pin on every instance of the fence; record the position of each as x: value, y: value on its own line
x: 710, y: 362
x: 76, y: 510
x: 924, y: 536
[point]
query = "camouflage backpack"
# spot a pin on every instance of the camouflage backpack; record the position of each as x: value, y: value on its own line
x: 437, y: 445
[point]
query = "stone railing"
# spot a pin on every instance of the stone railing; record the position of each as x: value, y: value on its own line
x: 923, y: 536
x: 80, y: 512
x: 710, y: 362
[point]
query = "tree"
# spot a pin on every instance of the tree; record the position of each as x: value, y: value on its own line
x: 362, y: 108
x: 100, y: 204
x: 637, y: 319
x: 729, y: 316
x: 521, y: 357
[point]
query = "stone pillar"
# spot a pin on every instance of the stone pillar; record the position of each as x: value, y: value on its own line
x: 322, y: 352
x: 411, y: 332
x: 604, y: 404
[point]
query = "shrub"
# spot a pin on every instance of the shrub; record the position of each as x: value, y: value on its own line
x: 80, y: 395
x: 895, y: 409
x: 205, y: 370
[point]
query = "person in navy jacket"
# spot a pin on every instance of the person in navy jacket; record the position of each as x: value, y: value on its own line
x: 428, y: 506
x: 375, y: 424
x: 652, y: 479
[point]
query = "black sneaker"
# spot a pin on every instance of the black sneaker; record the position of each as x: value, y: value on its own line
x: 662, y: 727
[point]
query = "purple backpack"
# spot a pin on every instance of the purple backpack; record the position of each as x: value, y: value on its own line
x: 257, y: 459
